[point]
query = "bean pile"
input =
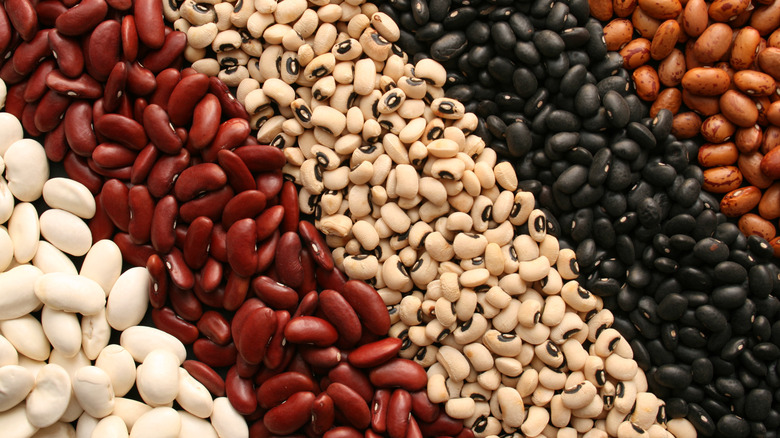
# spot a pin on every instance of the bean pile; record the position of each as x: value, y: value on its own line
x: 712, y: 64
x: 57, y: 366
x: 414, y: 204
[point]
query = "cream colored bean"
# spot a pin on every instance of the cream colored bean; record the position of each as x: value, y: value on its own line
x: 49, y: 398
x: 118, y: 364
x: 103, y: 264
x: 26, y: 169
x: 69, y: 195
x: 128, y: 299
x: 93, y: 390
x: 50, y: 259
x: 62, y: 329
x: 86, y: 425
x: 129, y: 410
x: 479, y: 356
x: 157, y: 379
x: 226, y: 421
x: 160, y: 422
x: 95, y: 334
x: 139, y: 341
x: 6, y: 249
x: 7, y: 200
x: 66, y: 231
x: 502, y: 344
x: 14, y: 423
x: 8, y: 354
x: 111, y: 427
x: 70, y: 293
x: 24, y: 229
x: 11, y: 131
x: 26, y: 335
x: 16, y: 382
x: 460, y: 408
x: 18, y: 297
x: 192, y: 396
x: 620, y: 368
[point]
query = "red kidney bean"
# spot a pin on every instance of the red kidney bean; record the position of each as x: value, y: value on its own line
x: 287, y: 262
x: 322, y: 413
x: 277, y: 348
x: 47, y: 12
x: 10, y: 75
x: 120, y: 5
x: 172, y: 48
x: 158, y: 292
x: 29, y: 53
x: 77, y: 169
x: 78, y: 128
x: 343, y: 432
x: 309, y: 282
x: 215, y: 327
x: 310, y: 330
x: 205, y: 122
x: 103, y: 49
x: 36, y: 85
x: 22, y: 15
x: 375, y: 353
x: 151, y: 28
x: 291, y: 415
x: 68, y: 54
x: 398, y: 410
x: 399, y: 372
x: 354, y: 378
x: 199, y: 179
x: 350, y: 404
x: 236, y: 291
x: 444, y: 425
x: 247, y: 204
x: 50, y: 111
x: 185, y: 303
x: 289, y: 201
x: 240, y: 392
x: 241, y: 247
x: 339, y: 312
x: 255, y: 334
x: 260, y: 158
x: 270, y: 183
x: 141, y: 212
x: 121, y: 173
x: 100, y: 225
x: 162, y: 234
x: 241, y: 315
x: 210, y: 205
x: 181, y: 275
x: 268, y: 221
x: 185, y: 97
x: 132, y: 253
x: 316, y: 244
x: 266, y: 251
x: 422, y: 408
x: 333, y: 279
x: 321, y: 358
x: 140, y: 80
x: 196, y: 243
x: 246, y: 370
x: 143, y: 164
x: 205, y: 375
x: 129, y: 34
x: 82, y: 17
x: 28, y: 119
x: 123, y: 130
x: 413, y: 429
x: 231, y: 107
x: 308, y: 304
x: 166, y: 320
x: 379, y: 406
x: 274, y: 391
x: 230, y: 134
x: 210, y: 276
x: 116, y: 203
x: 112, y: 156
x: 83, y: 87
x: 165, y: 171
x: 14, y: 101
x: 214, y: 355
x: 368, y: 305
x: 273, y: 293
x: 115, y: 88
x: 218, y: 243
x: 160, y: 131
x: 55, y: 144
x: 6, y: 33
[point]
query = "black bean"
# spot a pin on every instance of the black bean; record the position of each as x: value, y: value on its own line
x: 617, y: 109
x: 460, y: 18
x: 700, y: 419
x: 711, y: 318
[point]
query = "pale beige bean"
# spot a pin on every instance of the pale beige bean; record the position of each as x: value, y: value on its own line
x: 163, y: 422
x: 26, y: 335
x: 93, y: 390
x: 111, y: 426
x: 118, y: 364
x: 140, y: 340
x: 460, y: 408
x: 226, y: 421
x: 16, y: 383
x: 26, y: 169
x: 70, y: 293
x: 95, y: 334
x: 18, y: 297
x: 129, y: 410
x: 50, y: 259
x: 14, y: 423
x: 50, y: 397
x: 24, y: 229
x: 62, y: 329
x: 69, y: 195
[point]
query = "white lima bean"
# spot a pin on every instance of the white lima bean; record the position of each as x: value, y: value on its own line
x: 26, y: 169
x: 82, y: 378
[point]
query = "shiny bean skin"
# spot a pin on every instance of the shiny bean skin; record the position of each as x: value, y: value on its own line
x: 350, y: 404
x: 205, y: 122
x: 310, y: 330
x: 341, y: 315
x: 287, y: 260
x: 241, y: 253
x: 288, y: 417
x: 399, y: 372
x: 82, y: 17
x: 368, y: 305
x: 186, y: 96
x: 166, y: 320
x: 255, y: 334
x: 158, y: 128
x: 240, y: 392
x: 207, y: 376
x: 150, y: 25
x: 398, y: 413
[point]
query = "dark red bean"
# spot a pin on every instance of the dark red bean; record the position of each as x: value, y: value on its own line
x: 205, y: 375
x: 82, y: 18
x: 310, y: 330
x: 166, y: 320
x: 350, y: 404
x: 291, y: 415
x: 368, y: 305
x: 375, y: 353
x: 214, y: 355
x: 158, y: 293
x: 240, y: 392
x: 399, y: 373
x: 151, y: 28
x: 275, y: 391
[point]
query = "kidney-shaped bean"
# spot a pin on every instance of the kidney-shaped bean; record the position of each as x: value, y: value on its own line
x: 310, y: 330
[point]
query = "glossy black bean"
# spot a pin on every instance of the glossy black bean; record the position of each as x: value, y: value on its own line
x: 449, y: 46
x: 617, y: 109
x: 420, y: 11
x: 700, y: 419
x: 758, y: 404
x: 460, y: 18
x: 430, y: 32
x: 712, y: 318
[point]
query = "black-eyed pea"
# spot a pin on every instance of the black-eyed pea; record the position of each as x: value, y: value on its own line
x: 412, y: 131
x: 502, y: 206
x: 577, y: 297
x: 390, y: 297
x: 522, y: 208
x: 613, y: 420
x: 506, y: 320
x: 485, y: 308
x: 552, y: 283
x: 202, y: 36
x: 502, y: 344
x: 560, y: 416
x: 361, y: 267
x: 494, y: 259
x: 406, y: 255
x: 593, y: 409
x: 681, y: 428
x: 329, y: 13
x: 552, y: 379
x: 549, y: 353
x: 479, y: 356
x: 606, y: 342
x: 535, y: 421
x: 534, y: 270
x: 620, y: 368
x: 418, y: 233
x: 511, y: 265
x: 445, y: 312
x: 501, y: 234
x: 428, y: 308
x: 460, y: 408
x: 454, y: 362
x: 471, y: 183
x: 395, y: 67
x: 418, y: 337
x: 382, y: 163
x: 382, y: 229
x: 658, y: 431
x: 426, y: 356
x: 438, y: 247
x: 375, y: 45
x: 461, y: 202
x: 525, y: 248
x: 569, y: 326
x: 599, y: 322
x: 431, y: 72
x: 628, y: 429
x: 505, y: 175
x: 467, y: 124
x: 646, y: 409
x: 579, y: 396
x: 392, y: 310
x: 529, y: 313
x: 436, y: 331
x: 575, y: 354
x: 471, y: 330
x: 330, y: 202
x: 222, y: 12
x: 258, y: 22
x: 475, y: 278
x: 481, y: 212
x: 490, y: 379
x: 408, y: 349
x: 437, y: 388
x: 497, y: 297
x: 395, y: 275
x: 466, y: 304
x: 233, y: 75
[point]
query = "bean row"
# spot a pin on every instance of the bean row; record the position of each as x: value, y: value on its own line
x: 408, y: 222
x: 61, y: 375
